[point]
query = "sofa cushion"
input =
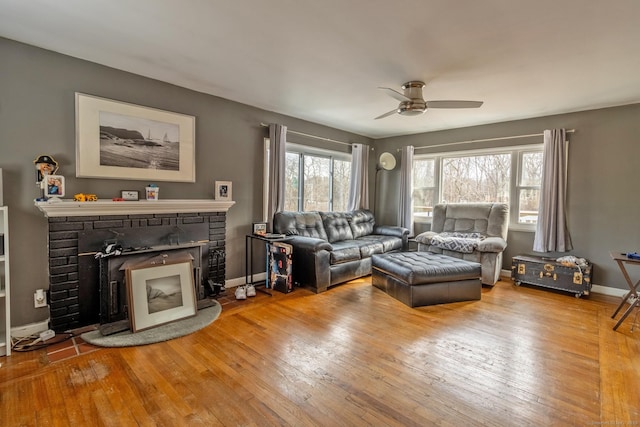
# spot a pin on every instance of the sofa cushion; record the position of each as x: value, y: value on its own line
x: 490, y: 219
x: 362, y: 223
x: 388, y: 243
x: 344, y: 251
x: 459, y: 242
x: 466, y: 225
x: 369, y: 247
x: 336, y: 225
x: 306, y: 224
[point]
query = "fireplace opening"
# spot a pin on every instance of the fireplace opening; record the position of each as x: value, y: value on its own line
x: 114, y: 294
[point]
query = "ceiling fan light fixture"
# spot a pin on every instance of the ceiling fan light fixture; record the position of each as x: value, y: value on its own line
x: 412, y: 102
x: 411, y: 112
x: 413, y: 89
x: 412, y: 108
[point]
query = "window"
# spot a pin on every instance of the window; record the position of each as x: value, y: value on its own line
x: 528, y: 186
x: 340, y: 185
x: 291, y: 180
x: 315, y: 179
x: 480, y: 176
x: 325, y: 181
x: 424, y: 187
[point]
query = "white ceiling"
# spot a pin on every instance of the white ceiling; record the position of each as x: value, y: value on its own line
x: 323, y: 60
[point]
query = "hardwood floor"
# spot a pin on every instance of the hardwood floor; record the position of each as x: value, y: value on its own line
x: 352, y: 356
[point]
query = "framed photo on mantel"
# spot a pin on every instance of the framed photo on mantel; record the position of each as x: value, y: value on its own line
x: 130, y: 195
x: 222, y: 190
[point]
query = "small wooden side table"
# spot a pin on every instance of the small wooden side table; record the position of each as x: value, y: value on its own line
x: 621, y: 259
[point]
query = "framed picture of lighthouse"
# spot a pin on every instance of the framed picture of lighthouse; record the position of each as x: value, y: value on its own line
x: 126, y: 141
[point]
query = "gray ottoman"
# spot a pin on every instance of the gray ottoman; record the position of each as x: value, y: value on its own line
x: 425, y: 278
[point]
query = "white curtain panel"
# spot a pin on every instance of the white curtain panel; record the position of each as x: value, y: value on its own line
x: 359, y: 183
x: 277, y: 152
x: 552, y: 234
x: 406, y: 186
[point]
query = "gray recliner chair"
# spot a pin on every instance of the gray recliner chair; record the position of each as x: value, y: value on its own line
x: 471, y: 231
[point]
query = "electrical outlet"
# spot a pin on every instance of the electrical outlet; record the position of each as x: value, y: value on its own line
x: 39, y: 298
x: 48, y: 334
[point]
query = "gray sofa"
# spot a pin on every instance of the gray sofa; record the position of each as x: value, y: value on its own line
x: 335, y: 247
x: 471, y: 231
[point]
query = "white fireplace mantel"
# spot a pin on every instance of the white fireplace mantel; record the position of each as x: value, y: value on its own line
x: 67, y: 207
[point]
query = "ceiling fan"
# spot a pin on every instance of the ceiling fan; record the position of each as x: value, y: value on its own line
x: 412, y: 102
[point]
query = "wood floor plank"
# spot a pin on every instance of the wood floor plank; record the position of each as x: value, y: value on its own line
x: 124, y: 388
x: 352, y: 356
x: 269, y: 381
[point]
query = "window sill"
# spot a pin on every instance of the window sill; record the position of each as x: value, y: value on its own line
x: 523, y: 228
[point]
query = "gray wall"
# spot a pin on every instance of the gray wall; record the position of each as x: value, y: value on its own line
x: 604, y: 166
x: 37, y: 89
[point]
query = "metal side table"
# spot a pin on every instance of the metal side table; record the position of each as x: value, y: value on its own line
x: 622, y: 260
x: 248, y: 259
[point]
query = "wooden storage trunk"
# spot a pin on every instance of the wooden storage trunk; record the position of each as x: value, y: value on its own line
x: 549, y: 273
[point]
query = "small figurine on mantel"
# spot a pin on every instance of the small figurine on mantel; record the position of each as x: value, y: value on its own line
x: 45, y: 166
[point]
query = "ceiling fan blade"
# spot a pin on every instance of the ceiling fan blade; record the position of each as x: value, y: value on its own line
x: 395, y: 94
x: 390, y: 113
x: 454, y: 104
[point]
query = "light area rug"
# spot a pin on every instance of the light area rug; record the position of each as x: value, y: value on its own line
x: 172, y: 330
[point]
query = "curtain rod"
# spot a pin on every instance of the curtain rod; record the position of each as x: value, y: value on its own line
x: 312, y: 136
x: 485, y: 140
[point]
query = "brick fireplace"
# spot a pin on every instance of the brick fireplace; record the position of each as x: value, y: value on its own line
x: 78, y: 230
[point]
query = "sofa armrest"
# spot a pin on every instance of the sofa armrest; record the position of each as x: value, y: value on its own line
x: 425, y: 238
x: 391, y: 230
x: 309, y: 244
x: 311, y: 261
x: 492, y: 244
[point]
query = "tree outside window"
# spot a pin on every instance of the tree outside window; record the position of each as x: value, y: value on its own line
x: 476, y: 179
x: 341, y: 180
x: 291, y: 181
x: 424, y: 187
x: 486, y: 176
x: 317, y: 183
x: 529, y: 187
x: 324, y: 185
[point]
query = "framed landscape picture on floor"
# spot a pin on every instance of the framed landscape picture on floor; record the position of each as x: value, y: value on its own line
x: 160, y: 293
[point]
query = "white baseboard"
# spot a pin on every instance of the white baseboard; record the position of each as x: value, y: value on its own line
x: 505, y: 274
x: 37, y: 327
x: 239, y: 281
x: 608, y: 290
x: 598, y: 289
x: 30, y: 329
